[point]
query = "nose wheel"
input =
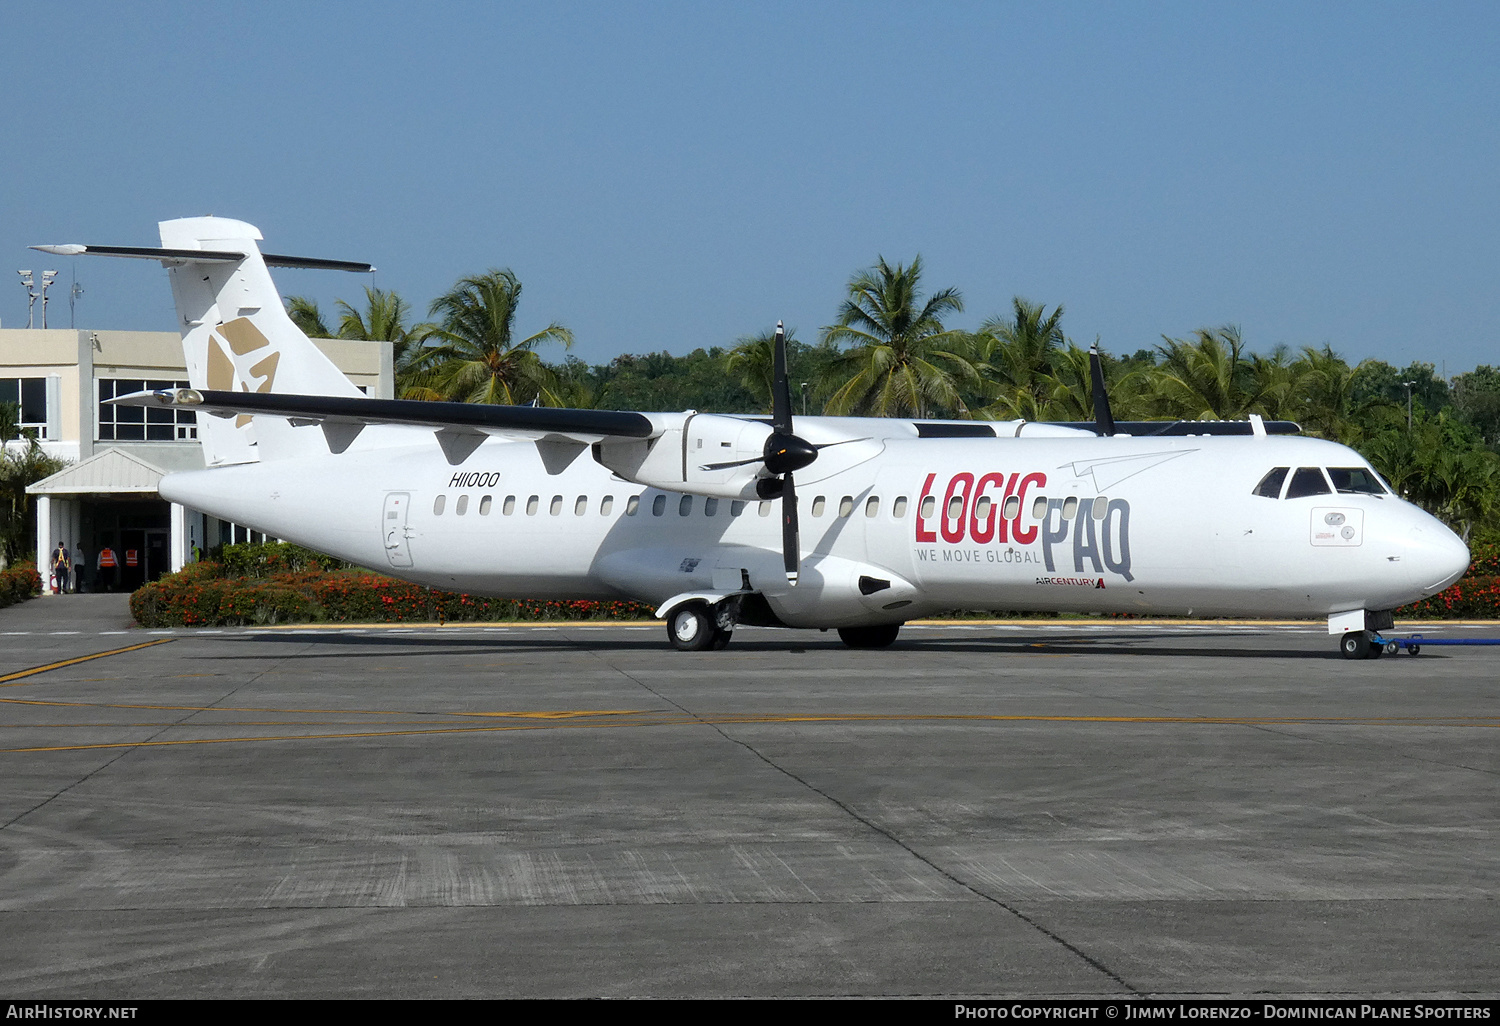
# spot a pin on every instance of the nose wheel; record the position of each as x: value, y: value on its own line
x: 1364, y: 645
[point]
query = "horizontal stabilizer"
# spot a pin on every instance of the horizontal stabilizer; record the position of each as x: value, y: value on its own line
x: 203, y: 256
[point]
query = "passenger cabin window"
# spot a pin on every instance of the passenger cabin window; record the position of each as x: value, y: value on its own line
x: 1039, y: 507
x: 510, y: 505
x: 929, y: 507
x: 556, y: 505
x: 1070, y: 507
x: 1356, y: 480
x: 765, y: 508
x: 532, y: 504
x: 1307, y: 481
x: 736, y: 507
x: 872, y: 506
x: 898, y: 508
x: 438, y: 504
x: 1012, y: 507
x: 1270, y: 485
x: 632, y: 505
x: 710, y: 507
x: 846, y: 505
x: 658, y: 505
x: 982, y: 507
x: 606, y: 505
x: 463, y: 505
x: 485, y: 505
x: 1101, y: 507
x: 817, y: 506
x: 580, y: 505
x: 685, y: 506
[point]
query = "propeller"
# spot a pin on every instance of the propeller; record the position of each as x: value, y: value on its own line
x: 1104, y: 420
x: 783, y: 455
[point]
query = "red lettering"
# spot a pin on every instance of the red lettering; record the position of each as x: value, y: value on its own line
x: 984, y: 530
x: 955, y: 533
x: 1027, y: 536
x: 923, y: 534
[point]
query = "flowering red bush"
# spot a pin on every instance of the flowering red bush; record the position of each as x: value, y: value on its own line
x: 1473, y: 598
x: 19, y: 583
x: 203, y: 594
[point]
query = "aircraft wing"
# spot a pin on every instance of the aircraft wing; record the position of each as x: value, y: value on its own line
x: 460, y: 427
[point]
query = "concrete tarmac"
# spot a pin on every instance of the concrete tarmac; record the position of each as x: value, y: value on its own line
x: 1068, y: 810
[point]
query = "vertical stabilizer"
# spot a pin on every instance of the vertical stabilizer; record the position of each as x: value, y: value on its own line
x: 237, y: 337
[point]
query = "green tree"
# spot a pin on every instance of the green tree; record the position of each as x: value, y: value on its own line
x: 20, y: 466
x: 902, y: 360
x: 472, y: 354
x: 305, y: 314
x: 1210, y: 377
x: 1015, y: 355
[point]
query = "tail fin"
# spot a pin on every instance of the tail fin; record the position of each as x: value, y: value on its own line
x: 238, y: 337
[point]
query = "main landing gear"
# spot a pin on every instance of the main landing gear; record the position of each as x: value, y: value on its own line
x: 699, y: 627
x: 695, y: 627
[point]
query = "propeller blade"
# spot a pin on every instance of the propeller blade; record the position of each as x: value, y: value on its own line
x: 1104, y: 420
x: 791, y: 551
x: 781, y: 388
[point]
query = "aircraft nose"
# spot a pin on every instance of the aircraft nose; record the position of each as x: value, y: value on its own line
x: 1436, y: 557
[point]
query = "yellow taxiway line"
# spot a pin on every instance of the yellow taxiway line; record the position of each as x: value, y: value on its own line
x: 8, y: 679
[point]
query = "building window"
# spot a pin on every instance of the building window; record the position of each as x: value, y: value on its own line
x: 142, y: 424
x: 30, y: 397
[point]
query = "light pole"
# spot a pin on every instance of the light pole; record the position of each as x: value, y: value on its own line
x: 1408, y: 385
x: 74, y: 292
x: 27, y: 281
x: 47, y: 277
x: 804, y: 397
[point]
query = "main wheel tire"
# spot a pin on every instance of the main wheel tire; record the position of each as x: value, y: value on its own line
x: 869, y: 637
x: 691, y: 628
x: 1355, y: 645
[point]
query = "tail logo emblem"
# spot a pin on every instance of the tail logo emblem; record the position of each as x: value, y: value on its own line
x: 238, y: 361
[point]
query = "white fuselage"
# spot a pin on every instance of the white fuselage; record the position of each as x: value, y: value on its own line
x: 890, y: 528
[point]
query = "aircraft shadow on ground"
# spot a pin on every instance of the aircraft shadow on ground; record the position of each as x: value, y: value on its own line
x: 1145, y: 646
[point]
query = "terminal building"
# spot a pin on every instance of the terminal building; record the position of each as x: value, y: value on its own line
x: 107, y: 497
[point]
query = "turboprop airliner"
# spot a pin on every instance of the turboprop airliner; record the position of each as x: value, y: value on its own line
x: 853, y: 524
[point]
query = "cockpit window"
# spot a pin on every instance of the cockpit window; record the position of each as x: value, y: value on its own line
x: 1270, y: 485
x: 1307, y: 481
x: 1356, y: 480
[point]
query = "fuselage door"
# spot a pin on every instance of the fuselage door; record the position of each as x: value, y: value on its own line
x: 394, y: 526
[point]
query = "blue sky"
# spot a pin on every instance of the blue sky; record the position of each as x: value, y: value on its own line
x: 669, y: 176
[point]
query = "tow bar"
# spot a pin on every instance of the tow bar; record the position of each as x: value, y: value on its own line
x: 1414, y: 644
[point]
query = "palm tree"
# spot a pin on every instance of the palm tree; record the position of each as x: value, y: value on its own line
x: 305, y: 314
x: 903, y: 361
x: 1209, y: 377
x: 473, y: 355
x: 1017, y: 355
x: 752, y: 361
x: 1326, y: 402
x: 384, y: 319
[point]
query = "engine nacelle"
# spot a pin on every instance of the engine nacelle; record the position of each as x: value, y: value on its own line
x: 675, y: 459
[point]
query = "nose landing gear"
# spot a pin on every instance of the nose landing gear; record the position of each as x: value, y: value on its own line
x: 1364, y: 645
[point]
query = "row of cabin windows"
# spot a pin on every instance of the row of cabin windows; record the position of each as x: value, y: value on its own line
x: 982, y: 508
x: 659, y: 506
x: 1319, y: 481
